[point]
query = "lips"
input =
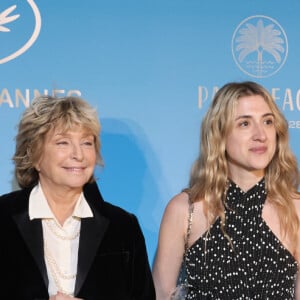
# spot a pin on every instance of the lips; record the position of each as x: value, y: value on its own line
x: 74, y: 169
x: 259, y: 150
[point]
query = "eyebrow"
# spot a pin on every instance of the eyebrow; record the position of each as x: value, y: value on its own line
x: 249, y: 116
x: 67, y: 135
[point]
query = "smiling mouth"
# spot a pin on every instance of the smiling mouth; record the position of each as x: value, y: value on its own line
x: 74, y: 169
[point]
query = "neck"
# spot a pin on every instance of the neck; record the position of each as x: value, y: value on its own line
x: 246, y: 180
x: 61, y: 202
x: 61, y: 211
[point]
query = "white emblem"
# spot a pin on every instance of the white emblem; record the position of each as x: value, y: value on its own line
x: 6, y: 19
x: 259, y: 46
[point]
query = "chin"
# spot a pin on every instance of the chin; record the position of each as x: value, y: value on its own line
x: 258, y: 168
x: 76, y: 185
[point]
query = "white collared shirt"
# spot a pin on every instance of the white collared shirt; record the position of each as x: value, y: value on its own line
x: 60, y: 242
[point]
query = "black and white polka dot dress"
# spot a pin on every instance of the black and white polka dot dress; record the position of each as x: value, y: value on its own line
x: 256, y: 267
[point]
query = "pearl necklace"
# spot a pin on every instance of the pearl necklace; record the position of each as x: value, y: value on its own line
x: 56, y: 272
x: 52, y: 224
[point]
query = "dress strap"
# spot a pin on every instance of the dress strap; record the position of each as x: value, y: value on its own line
x: 189, y: 228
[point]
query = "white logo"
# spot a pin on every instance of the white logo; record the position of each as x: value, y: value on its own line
x: 259, y: 46
x: 6, y: 20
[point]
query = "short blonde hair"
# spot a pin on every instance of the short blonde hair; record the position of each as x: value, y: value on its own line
x: 44, y: 114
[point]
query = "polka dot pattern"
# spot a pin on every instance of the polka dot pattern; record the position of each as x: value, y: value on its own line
x: 255, y: 266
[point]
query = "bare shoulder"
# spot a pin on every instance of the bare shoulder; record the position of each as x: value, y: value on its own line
x: 177, y: 208
x: 178, y: 202
x: 177, y: 211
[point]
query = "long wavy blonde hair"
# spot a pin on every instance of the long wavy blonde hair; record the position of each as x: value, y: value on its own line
x: 44, y: 114
x: 209, y: 175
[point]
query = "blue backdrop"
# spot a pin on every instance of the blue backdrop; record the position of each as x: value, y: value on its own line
x: 151, y: 69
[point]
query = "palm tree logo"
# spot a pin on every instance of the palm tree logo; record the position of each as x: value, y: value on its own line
x: 259, y: 46
x: 7, y: 18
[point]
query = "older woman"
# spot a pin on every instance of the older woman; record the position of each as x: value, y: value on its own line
x: 59, y: 238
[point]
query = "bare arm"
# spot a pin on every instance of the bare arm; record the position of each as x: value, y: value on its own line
x: 297, y: 207
x: 297, y: 288
x: 170, y: 246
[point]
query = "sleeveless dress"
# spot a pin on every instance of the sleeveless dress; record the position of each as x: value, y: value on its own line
x: 255, y: 266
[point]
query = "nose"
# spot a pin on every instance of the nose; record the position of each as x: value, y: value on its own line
x: 77, y: 153
x: 259, y: 132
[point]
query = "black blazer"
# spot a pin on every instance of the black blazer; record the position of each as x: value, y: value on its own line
x: 112, y: 257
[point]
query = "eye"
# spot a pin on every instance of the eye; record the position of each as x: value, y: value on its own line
x: 88, y: 143
x: 269, y: 121
x: 244, y: 123
x: 62, y: 142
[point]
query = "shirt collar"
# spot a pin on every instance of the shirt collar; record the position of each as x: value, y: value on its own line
x: 39, y: 207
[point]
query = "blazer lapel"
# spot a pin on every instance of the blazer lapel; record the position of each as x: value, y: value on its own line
x: 91, y: 233
x: 32, y: 234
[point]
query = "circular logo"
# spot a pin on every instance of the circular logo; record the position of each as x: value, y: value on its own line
x: 259, y: 46
x: 7, y: 18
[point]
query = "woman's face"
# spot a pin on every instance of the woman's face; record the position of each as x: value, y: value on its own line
x: 68, y: 159
x: 251, y: 143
